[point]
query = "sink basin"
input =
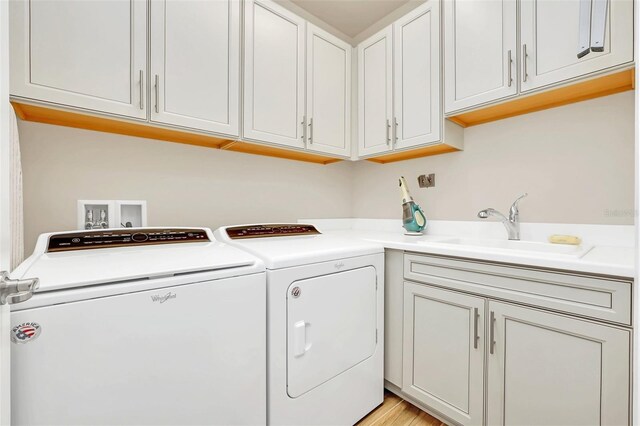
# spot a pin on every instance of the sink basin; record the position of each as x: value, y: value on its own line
x: 520, y: 246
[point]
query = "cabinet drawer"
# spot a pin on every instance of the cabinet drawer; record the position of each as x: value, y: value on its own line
x: 594, y: 297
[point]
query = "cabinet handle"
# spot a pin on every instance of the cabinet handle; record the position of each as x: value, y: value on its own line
x: 304, y: 128
x: 598, y: 25
x: 584, y: 29
x: 388, y: 133
x: 476, y: 337
x: 492, y: 343
x: 510, y: 61
x: 592, y: 22
x: 524, y: 62
x: 157, y: 88
x: 141, y: 89
x: 396, y: 130
x: 311, y: 130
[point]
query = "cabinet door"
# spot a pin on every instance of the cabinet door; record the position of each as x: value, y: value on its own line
x: 375, y: 115
x: 273, y: 74
x: 417, y: 76
x: 548, y: 369
x: 328, y: 93
x: 443, y: 361
x: 195, y: 73
x: 480, y: 52
x: 550, y: 33
x: 84, y: 54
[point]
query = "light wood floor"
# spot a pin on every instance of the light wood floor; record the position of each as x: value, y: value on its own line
x: 395, y: 411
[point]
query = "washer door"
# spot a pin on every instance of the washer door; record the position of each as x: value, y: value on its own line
x: 331, y: 326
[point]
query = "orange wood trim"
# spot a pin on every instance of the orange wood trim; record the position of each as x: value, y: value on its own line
x: 594, y: 88
x: 458, y: 121
x: 225, y: 144
x: 414, y: 153
x: 271, y: 151
x: 57, y: 117
x: 19, y: 111
x: 41, y: 114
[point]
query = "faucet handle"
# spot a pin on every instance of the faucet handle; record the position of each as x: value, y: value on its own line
x: 513, y: 211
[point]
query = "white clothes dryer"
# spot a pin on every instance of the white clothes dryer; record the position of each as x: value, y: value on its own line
x: 325, y: 326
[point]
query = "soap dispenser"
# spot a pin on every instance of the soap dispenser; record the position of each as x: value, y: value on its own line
x: 413, y: 218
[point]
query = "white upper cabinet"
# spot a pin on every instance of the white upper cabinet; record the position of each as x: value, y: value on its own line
x: 552, y: 34
x: 480, y: 52
x: 328, y: 114
x: 273, y: 74
x: 195, y: 64
x: 375, y: 88
x: 85, y: 54
x: 399, y: 88
x: 417, y: 76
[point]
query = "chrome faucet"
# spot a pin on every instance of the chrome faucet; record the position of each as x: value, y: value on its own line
x: 512, y: 223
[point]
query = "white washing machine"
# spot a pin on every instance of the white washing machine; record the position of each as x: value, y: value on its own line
x: 325, y: 322
x: 140, y: 326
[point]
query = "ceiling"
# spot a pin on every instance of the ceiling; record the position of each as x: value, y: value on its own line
x: 351, y: 17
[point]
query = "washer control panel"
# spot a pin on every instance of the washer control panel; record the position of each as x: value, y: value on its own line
x: 262, y: 231
x: 85, y: 240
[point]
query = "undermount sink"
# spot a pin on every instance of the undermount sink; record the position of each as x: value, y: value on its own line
x: 521, y: 246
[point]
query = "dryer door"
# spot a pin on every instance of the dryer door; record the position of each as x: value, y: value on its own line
x: 331, y: 326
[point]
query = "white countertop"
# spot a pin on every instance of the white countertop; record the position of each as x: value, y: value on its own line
x: 604, y: 259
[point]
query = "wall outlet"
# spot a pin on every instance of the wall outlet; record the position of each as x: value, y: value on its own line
x: 427, y: 181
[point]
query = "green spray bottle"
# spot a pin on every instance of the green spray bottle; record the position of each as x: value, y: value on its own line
x: 413, y: 218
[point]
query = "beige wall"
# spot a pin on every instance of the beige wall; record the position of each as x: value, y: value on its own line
x: 183, y: 185
x: 576, y: 162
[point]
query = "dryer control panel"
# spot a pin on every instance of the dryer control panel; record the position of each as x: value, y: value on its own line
x: 262, y: 231
x: 109, y: 238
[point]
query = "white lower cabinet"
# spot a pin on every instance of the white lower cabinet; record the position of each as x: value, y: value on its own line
x: 443, y: 362
x: 548, y: 369
x: 474, y: 360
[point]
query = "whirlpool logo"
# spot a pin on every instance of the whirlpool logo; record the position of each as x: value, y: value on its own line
x: 163, y: 298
